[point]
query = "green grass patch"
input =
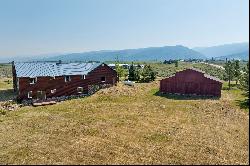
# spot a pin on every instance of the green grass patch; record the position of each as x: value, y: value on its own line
x: 157, y: 137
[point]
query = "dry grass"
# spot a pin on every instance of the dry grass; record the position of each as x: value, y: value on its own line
x: 127, y: 125
x: 6, y: 89
x: 5, y: 83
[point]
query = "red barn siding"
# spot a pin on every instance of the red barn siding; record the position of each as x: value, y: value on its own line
x: 191, y: 82
x: 66, y: 88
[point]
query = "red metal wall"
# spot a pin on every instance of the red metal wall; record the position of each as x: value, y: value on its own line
x: 66, y: 88
x: 191, y: 82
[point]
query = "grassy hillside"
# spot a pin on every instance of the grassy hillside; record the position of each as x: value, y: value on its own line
x: 6, y: 89
x: 128, y: 125
x: 166, y: 70
x: 5, y: 70
x: 224, y: 50
x: 6, y: 92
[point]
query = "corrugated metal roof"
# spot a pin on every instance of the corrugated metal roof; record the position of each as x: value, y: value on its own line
x: 38, y: 69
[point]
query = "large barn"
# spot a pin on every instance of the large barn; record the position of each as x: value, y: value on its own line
x: 191, y: 81
x: 41, y: 80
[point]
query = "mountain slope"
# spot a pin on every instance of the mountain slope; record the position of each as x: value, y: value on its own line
x: 241, y: 56
x: 223, y: 50
x: 21, y: 58
x: 141, y: 54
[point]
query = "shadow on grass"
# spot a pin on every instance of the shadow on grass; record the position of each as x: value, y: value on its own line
x: 184, y: 97
x: 7, y: 94
x: 243, y: 104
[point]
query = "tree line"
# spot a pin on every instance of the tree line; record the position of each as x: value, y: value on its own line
x: 234, y: 72
x: 136, y: 73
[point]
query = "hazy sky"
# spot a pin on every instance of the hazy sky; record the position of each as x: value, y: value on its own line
x: 56, y: 26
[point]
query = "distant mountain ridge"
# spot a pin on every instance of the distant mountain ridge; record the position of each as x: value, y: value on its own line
x: 234, y: 50
x: 22, y: 58
x: 140, y: 54
x: 229, y: 51
x: 239, y: 56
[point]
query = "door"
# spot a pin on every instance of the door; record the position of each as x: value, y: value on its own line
x: 188, y: 88
x: 41, y: 95
x: 192, y: 88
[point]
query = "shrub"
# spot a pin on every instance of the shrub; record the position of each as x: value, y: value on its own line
x: 2, y: 112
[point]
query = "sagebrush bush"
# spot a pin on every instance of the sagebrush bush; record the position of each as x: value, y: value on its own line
x: 2, y: 112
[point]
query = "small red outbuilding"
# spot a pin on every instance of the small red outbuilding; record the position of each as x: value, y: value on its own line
x: 191, y: 81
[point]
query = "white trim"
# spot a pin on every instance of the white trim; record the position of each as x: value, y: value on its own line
x: 34, y: 80
x: 66, y: 77
x: 53, y: 91
x: 30, y: 97
x: 79, y: 89
x: 83, y: 77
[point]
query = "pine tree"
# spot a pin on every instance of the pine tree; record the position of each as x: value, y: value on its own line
x: 176, y: 63
x: 137, y: 74
x: 229, y: 67
x: 131, y: 75
x: 244, y: 81
x: 152, y: 75
x: 148, y: 74
x: 237, y: 70
x: 145, y: 74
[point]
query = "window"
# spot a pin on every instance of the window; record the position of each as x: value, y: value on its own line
x: 53, y: 78
x: 103, y: 79
x: 30, y: 94
x: 83, y: 77
x: 33, y: 80
x: 67, y: 78
x: 53, y: 91
x: 41, y: 95
x: 79, y: 89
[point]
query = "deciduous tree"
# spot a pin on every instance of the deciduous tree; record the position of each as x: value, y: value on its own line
x: 120, y: 70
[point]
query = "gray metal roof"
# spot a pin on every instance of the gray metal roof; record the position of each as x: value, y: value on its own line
x: 39, y: 69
